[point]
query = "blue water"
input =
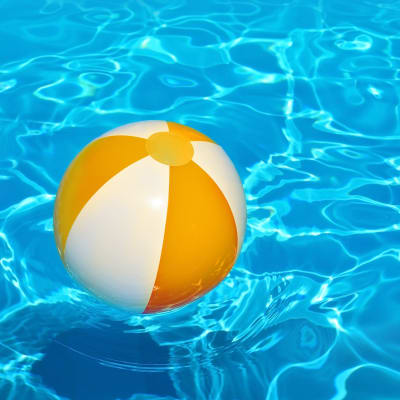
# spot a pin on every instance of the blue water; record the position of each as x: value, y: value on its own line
x: 304, y: 97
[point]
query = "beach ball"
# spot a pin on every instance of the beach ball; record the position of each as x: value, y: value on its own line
x: 150, y: 216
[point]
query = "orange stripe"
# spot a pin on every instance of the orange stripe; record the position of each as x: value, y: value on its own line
x: 91, y: 169
x: 200, y: 240
x: 187, y: 132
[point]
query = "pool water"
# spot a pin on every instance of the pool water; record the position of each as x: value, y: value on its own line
x: 304, y: 97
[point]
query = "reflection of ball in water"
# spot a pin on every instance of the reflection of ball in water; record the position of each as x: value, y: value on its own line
x: 150, y: 216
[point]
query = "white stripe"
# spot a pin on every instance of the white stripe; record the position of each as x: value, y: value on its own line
x: 213, y: 160
x: 114, y: 246
x: 143, y: 129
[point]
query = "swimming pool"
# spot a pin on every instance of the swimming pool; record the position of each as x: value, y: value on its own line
x: 304, y: 97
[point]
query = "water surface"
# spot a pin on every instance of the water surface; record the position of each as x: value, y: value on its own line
x: 303, y: 95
